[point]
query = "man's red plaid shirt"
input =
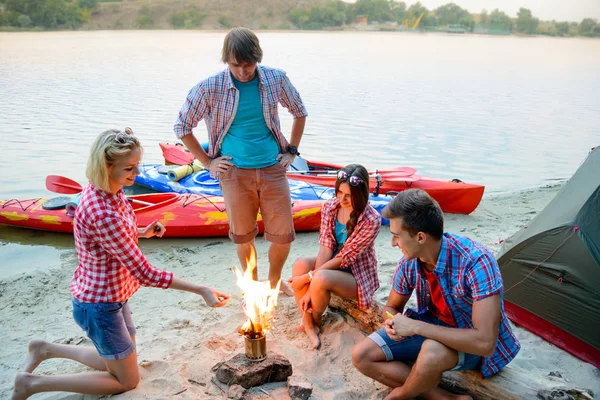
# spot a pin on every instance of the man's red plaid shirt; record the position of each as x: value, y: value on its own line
x: 111, y: 265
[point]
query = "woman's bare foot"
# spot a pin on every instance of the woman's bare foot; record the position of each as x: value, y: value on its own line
x: 22, y: 389
x: 38, y: 352
x: 313, y: 335
x: 286, y: 288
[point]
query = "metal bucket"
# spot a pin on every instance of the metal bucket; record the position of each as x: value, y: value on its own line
x: 256, y: 349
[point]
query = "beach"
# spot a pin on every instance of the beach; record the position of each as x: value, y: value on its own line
x: 180, y: 339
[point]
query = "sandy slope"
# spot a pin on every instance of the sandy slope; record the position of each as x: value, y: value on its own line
x: 180, y: 339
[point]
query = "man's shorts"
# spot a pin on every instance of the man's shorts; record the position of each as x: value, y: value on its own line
x: 246, y: 191
x: 407, y: 349
x: 108, y: 325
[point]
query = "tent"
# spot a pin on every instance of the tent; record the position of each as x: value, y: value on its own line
x: 551, y: 268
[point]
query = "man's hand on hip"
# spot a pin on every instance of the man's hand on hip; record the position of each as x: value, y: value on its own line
x: 219, y: 164
x: 286, y: 159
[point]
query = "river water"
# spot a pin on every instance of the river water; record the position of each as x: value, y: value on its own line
x: 506, y: 112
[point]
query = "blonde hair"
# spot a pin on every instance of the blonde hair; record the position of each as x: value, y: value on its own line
x: 109, y: 147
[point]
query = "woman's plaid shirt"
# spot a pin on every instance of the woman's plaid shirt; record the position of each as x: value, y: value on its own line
x: 358, y: 252
x: 111, y: 265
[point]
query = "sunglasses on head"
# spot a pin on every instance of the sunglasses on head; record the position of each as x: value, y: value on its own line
x: 352, y: 180
x: 122, y: 137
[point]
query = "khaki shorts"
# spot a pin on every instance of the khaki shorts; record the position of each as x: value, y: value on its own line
x: 246, y: 191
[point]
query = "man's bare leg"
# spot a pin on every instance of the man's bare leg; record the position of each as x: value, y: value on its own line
x: 244, y: 252
x: 370, y: 360
x: 278, y: 254
x: 434, y: 358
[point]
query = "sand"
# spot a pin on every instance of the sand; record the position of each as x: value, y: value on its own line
x: 180, y: 339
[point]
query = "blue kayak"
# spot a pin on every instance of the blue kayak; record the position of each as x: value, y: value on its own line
x: 155, y: 176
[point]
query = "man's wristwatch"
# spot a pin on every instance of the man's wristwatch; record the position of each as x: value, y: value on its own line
x: 293, y: 150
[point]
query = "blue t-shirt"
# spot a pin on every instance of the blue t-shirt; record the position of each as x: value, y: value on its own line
x: 340, y: 234
x: 249, y: 142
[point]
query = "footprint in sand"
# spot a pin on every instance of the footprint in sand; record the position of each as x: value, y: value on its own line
x: 161, y: 387
x: 155, y: 368
x: 179, y: 323
x: 216, y: 342
x: 334, y: 322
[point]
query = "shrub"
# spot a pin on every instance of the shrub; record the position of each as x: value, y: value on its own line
x: 224, y: 21
x: 195, y: 18
x: 187, y: 19
x: 11, y: 18
x: 88, y: 4
x: 177, y: 19
x: 24, y: 21
x: 145, y: 18
x: 86, y: 14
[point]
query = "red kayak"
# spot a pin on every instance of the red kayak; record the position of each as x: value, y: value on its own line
x: 453, y: 196
x: 184, y: 215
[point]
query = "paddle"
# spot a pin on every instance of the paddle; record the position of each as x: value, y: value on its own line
x: 61, y: 184
x: 178, y: 157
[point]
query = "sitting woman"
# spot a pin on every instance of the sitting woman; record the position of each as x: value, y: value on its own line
x: 346, y: 263
x: 111, y: 269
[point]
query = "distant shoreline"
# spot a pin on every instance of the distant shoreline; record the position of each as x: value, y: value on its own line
x: 4, y: 29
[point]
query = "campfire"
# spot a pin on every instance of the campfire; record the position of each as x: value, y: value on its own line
x: 259, y: 306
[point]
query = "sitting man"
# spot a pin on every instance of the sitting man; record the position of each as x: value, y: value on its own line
x: 459, y: 323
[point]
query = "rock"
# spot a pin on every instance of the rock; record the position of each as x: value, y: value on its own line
x: 300, y: 387
x: 246, y: 373
x: 236, y: 392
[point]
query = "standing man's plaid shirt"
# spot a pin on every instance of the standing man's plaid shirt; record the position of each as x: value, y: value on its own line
x: 111, y: 265
x: 358, y: 252
x: 215, y: 100
x: 467, y: 272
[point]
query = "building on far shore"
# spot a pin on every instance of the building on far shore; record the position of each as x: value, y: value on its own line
x: 480, y: 30
x: 361, y: 20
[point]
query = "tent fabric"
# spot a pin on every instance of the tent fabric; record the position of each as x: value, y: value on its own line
x: 551, y: 269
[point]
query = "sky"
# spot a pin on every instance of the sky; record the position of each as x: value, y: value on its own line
x: 545, y: 10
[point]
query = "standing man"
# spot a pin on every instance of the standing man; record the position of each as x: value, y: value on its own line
x: 247, y: 151
x: 459, y: 323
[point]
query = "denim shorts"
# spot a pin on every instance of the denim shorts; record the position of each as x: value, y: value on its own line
x: 108, y: 325
x: 407, y: 349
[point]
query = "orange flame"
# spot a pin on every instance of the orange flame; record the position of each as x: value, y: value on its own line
x: 260, y: 300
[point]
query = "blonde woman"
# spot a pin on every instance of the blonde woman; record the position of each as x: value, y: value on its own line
x: 111, y: 269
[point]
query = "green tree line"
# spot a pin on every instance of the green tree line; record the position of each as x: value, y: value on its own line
x: 46, y: 14
x: 390, y: 12
x: 65, y: 14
